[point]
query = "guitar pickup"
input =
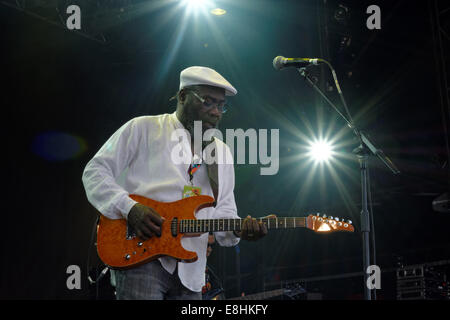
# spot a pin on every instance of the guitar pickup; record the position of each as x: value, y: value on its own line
x: 174, y: 227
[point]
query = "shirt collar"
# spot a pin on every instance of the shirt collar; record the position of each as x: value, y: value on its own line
x: 176, y: 122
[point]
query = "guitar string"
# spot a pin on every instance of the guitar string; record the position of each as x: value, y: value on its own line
x: 204, y: 225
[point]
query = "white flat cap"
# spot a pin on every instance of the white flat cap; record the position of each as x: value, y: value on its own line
x: 205, y: 76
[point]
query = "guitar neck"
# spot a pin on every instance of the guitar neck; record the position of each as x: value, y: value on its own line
x: 213, y: 225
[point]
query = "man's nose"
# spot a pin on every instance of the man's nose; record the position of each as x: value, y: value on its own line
x: 215, y: 111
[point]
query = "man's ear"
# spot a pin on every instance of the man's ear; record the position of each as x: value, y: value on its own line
x: 182, y: 96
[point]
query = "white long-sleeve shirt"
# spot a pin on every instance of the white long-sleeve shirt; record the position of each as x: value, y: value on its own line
x: 137, y: 159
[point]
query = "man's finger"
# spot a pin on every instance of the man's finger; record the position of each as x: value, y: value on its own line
x: 146, y: 230
x: 141, y: 235
x: 255, y: 226
x: 245, y: 225
x: 252, y: 227
x: 262, y: 228
x: 152, y: 226
x: 156, y: 218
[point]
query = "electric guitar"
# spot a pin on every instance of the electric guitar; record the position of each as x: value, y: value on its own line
x: 120, y: 248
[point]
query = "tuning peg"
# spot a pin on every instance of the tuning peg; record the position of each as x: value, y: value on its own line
x: 331, y: 218
x: 349, y: 221
x: 324, y: 216
x: 337, y: 219
x: 318, y: 214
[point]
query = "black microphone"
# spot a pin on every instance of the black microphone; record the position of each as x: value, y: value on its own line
x: 282, y: 62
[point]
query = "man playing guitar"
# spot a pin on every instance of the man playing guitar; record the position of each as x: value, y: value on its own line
x: 138, y: 159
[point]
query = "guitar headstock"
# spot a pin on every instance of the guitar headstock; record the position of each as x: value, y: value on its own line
x: 324, y: 224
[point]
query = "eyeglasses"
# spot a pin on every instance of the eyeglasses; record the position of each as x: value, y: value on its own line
x: 209, y: 102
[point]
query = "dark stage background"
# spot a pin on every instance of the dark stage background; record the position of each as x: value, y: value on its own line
x: 65, y: 93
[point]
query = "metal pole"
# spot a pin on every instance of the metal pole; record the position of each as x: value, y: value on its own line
x: 365, y: 218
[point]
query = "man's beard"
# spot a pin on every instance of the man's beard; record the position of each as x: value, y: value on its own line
x: 189, y: 117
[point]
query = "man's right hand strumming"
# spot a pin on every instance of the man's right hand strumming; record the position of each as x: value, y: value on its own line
x: 145, y: 221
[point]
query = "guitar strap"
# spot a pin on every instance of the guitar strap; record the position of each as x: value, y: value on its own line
x: 213, y: 173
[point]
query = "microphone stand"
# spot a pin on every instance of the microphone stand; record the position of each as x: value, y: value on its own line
x: 362, y: 152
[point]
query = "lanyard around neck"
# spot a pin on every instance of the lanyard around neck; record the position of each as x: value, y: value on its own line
x: 192, y: 169
x: 194, y: 166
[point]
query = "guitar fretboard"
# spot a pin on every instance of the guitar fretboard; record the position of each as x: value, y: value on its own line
x: 213, y: 225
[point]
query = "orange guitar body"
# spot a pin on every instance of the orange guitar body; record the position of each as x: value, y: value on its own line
x: 120, y: 251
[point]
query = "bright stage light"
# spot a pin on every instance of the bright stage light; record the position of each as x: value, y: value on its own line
x: 195, y: 4
x: 321, y: 151
x: 196, y: 7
